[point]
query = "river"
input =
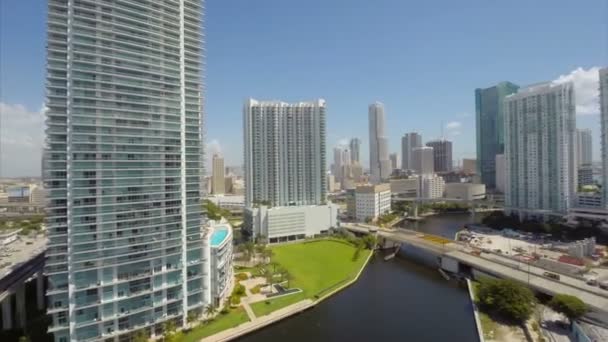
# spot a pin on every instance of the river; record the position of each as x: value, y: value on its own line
x: 398, y: 300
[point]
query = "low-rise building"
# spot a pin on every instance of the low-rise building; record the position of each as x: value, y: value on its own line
x: 405, y: 187
x: 465, y: 191
x: 589, y: 200
x: 431, y: 186
x: 280, y: 224
x: 372, y: 201
x: 219, y: 241
x: 230, y: 202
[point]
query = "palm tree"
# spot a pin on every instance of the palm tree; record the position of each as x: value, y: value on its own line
x: 267, y: 254
x: 192, y: 316
x: 288, y: 277
x: 210, y: 310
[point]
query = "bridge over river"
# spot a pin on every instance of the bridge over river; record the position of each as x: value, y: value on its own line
x: 455, y: 256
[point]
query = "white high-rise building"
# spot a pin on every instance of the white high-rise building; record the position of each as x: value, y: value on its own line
x: 604, y: 128
x: 123, y: 166
x: 584, y: 143
x: 379, y: 163
x: 284, y: 152
x: 540, y: 149
x: 408, y: 142
x: 423, y: 161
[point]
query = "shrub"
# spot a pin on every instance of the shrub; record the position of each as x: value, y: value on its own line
x: 256, y: 289
x: 239, y: 290
x: 235, y: 300
x: 241, y: 276
x: 571, y: 306
x: 507, y: 298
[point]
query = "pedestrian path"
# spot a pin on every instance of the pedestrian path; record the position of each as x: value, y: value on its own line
x: 259, y: 322
x: 249, y: 311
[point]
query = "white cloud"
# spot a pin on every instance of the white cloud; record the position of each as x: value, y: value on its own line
x: 343, y: 142
x: 22, y: 137
x: 453, y: 125
x: 586, y: 88
x: 213, y: 147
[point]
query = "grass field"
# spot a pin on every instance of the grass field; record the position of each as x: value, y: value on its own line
x: 221, y: 322
x: 317, y: 268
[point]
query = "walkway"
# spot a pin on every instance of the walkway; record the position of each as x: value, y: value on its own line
x: 259, y: 322
x: 250, y: 312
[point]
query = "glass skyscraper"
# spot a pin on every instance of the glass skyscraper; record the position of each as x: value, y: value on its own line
x: 489, y: 115
x: 123, y: 166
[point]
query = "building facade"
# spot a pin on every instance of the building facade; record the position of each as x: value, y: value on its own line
x: 218, y: 182
x: 281, y: 224
x: 604, y: 131
x: 501, y: 177
x: 355, y: 150
x: 469, y: 166
x: 394, y: 158
x: 540, y: 149
x: 442, y: 154
x: 465, y: 191
x: 423, y: 161
x: 379, y: 163
x: 123, y: 167
x: 284, y: 152
x: 431, y: 186
x: 585, y: 175
x: 584, y: 143
x: 489, y: 114
x: 408, y: 142
x: 405, y: 187
x: 372, y: 201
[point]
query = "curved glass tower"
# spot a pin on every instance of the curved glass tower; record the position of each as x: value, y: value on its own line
x: 123, y: 166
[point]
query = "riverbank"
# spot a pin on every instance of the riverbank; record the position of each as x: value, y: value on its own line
x: 269, y: 312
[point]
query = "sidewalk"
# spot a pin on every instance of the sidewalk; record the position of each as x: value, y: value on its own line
x: 260, y: 322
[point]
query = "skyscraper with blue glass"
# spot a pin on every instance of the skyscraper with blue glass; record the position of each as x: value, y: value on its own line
x: 123, y: 166
x: 489, y: 114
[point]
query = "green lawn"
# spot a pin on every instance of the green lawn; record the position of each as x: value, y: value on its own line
x: 220, y: 323
x: 317, y: 268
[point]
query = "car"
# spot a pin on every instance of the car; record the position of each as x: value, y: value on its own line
x: 551, y: 275
x: 592, y: 282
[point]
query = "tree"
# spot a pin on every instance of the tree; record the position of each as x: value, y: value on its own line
x: 288, y: 277
x: 249, y: 248
x: 370, y: 241
x: 507, y: 298
x: 570, y: 306
x: 267, y: 254
x: 210, y: 310
x: 140, y: 336
x: 169, y: 329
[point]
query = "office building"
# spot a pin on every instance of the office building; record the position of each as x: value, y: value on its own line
x: 465, y: 191
x: 442, y: 154
x: 469, y: 166
x: 500, y: 173
x: 394, y: 158
x: 408, y: 142
x: 218, y: 181
x: 124, y: 160
x: 355, y: 150
x: 540, y: 150
x: 379, y: 163
x: 372, y: 201
x: 423, y: 161
x: 405, y: 187
x: 489, y: 113
x: 431, y: 186
x: 284, y: 152
x: 584, y: 143
x: 341, y: 165
x: 357, y: 172
x: 281, y: 224
x: 604, y: 132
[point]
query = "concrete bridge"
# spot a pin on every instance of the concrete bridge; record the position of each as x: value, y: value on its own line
x: 21, y: 262
x: 457, y: 257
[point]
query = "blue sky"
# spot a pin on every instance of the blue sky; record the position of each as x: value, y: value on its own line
x: 422, y: 59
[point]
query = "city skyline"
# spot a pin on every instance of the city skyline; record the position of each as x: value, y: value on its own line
x: 23, y: 72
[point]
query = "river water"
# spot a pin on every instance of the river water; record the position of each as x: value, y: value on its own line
x: 397, y: 300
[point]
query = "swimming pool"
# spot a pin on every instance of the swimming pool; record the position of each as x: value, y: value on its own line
x: 218, y: 236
